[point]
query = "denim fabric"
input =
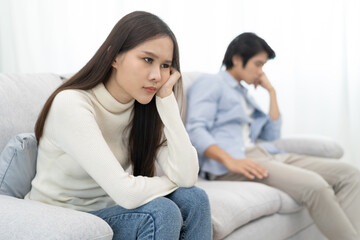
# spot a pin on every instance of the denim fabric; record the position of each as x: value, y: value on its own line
x: 183, y: 214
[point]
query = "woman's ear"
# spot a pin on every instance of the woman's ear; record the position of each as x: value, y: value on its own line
x: 113, y: 64
x: 115, y: 61
x: 119, y: 58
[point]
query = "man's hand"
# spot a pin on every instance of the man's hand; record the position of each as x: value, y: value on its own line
x: 247, y: 167
x: 264, y: 82
x: 166, y: 89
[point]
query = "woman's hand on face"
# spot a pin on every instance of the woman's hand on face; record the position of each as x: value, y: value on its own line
x: 166, y: 89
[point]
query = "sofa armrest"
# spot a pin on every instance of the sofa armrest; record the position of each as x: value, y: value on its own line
x: 312, y: 145
x: 26, y: 219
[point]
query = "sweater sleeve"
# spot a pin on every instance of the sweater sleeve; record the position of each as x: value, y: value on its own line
x: 178, y: 159
x: 76, y: 132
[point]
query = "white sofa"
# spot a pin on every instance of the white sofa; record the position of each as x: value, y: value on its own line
x: 240, y: 210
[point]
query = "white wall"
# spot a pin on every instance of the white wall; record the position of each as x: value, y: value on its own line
x: 316, y: 71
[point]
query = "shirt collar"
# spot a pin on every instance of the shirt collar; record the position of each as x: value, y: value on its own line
x: 231, y: 81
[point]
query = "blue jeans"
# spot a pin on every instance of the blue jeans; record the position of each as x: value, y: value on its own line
x: 183, y: 214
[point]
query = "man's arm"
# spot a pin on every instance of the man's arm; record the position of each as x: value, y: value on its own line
x: 272, y: 128
x: 274, y: 111
x: 202, y: 100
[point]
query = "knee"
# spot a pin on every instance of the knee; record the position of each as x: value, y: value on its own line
x: 315, y: 188
x: 194, y: 197
x: 166, y: 213
x: 200, y: 199
x: 350, y: 174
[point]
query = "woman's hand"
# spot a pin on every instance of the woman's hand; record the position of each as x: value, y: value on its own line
x: 166, y: 89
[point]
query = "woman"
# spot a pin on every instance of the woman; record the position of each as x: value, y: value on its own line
x: 119, y: 112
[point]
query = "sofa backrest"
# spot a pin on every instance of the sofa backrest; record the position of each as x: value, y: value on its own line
x: 22, y: 97
x: 188, y: 78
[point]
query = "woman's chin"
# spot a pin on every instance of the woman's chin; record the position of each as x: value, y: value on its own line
x: 144, y: 100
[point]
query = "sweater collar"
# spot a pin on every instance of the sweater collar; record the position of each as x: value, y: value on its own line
x: 108, y: 101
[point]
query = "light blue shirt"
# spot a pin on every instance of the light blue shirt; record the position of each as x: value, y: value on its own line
x: 215, y: 115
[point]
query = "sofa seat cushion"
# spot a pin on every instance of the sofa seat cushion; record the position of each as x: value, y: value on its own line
x: 278, y: 226
x: 234, y: 204
x: 27, y: 219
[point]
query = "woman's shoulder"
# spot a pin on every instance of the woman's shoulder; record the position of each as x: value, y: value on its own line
x: 73, y: 97
x: 73, y: 94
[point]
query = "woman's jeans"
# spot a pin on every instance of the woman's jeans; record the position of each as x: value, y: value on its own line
x: 183, y: 214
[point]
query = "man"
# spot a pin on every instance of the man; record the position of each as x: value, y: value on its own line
x: 224, y: 123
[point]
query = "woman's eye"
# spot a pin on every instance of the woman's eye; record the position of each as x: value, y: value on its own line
x: 165, y: 65
x: 148, y: 60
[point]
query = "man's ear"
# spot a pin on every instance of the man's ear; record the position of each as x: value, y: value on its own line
x: 237, y: 60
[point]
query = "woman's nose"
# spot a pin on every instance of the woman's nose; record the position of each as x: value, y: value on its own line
x: 155, y: 74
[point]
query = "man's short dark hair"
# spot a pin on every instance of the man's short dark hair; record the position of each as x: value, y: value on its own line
x: 246, y: 45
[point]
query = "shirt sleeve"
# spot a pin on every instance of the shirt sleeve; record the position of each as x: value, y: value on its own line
x: 202, y: 102
x: 178, y: 159
x: 271, y: 130
x: 77, y: 133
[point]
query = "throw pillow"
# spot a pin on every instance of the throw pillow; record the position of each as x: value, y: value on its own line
x: 18, y: 165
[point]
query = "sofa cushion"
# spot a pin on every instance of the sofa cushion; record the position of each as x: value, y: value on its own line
x: 18, y: 165
x: 279, y: 226
x: 32, y: 220
x: 312, y: 145
x: 234, y: 204
x: 22, y: 98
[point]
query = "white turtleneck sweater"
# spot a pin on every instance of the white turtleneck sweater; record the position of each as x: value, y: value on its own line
x: 82, y: 157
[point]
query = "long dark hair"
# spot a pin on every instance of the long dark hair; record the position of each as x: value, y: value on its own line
x: 145, y: 127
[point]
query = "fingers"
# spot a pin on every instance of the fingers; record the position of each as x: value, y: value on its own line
x: 248, y: 174
x: 166, y: 89
x: 254, y: 170
x: 257, y: 171
x: 174, y: 77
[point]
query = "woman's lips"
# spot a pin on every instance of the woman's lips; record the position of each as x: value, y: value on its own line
x: 150, y: 89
